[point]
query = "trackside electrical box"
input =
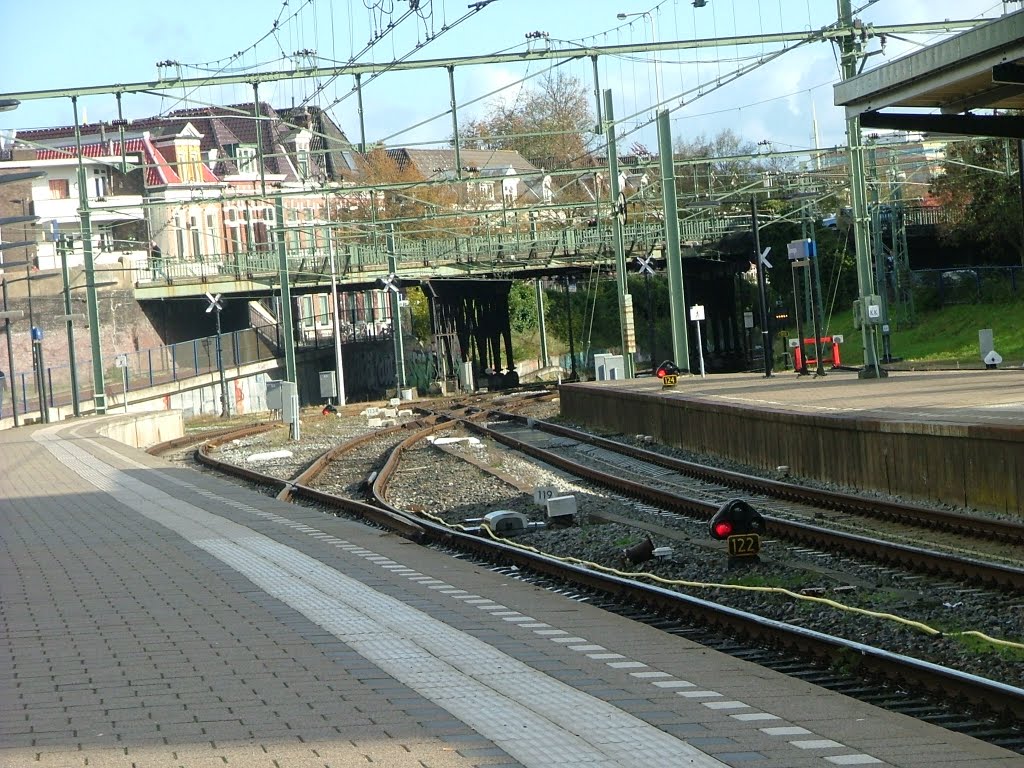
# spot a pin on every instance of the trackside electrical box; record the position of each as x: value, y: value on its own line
x: 867, y: 310
x: 328, y: 385
x: 274, y: 402
x: 609, y: 367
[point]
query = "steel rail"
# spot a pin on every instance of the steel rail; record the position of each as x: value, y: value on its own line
x: 992, y: 696
x: 915, y: 558
x: 971, y: 525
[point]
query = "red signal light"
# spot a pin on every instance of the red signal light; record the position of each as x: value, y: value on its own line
x: 723, y: 529
x: 667, y: 368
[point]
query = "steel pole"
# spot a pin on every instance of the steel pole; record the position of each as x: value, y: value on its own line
x: 673, y: 253
x: 620, y: 252
x: 339, y: 372
x: 848, y: 54
x: 455, y: 124
x: 76, y: 405
x: 288, y: 334
x: 544, y: 358
x: 10, y: 355
x: 396, y: 315
x: 762, y: 291
x: 92, y: 305
x: 573, y: 372
x: 225, y: 409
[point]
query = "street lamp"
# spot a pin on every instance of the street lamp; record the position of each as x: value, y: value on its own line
x: 654, y: 40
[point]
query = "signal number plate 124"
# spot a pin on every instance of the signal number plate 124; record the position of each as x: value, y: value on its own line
x: 744, y: 545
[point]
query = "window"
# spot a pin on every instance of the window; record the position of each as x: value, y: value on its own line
x: 323, y: 317
x: 307, y: 311
x: 197, y: 238
x: 189, y: 162
x: 179, y: 238
x: 211, y: 235
x: 486, y: 190
x: 245, y: 158
x: 101, y: 181
x: 302, y: 161
x: 234, y: 230
x: 263, y: 221
x: 59, y: 189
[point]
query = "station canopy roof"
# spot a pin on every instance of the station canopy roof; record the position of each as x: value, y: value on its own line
x: 938, y: 88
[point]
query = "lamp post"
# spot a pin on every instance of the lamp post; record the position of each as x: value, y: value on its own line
x: 654, y: 40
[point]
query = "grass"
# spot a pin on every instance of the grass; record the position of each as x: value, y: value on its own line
x: 947, y: 336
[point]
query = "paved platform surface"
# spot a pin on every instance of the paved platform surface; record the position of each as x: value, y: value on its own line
x: 956, y: 397
x: 153, y: 616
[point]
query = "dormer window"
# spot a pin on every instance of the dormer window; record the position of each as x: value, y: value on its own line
x: 245, y: 157
x: 302, y: 154
x: 189, y: 162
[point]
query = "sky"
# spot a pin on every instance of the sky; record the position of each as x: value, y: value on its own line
x: 77, y: 45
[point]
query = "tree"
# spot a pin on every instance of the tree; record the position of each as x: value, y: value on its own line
x: 982, y: 195
x: 715, y: 177
x: 412, y: 200
x: 550, y: 125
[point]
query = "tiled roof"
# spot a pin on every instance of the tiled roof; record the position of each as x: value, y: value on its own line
x: 331, y: 154
x: 439, y: 163
x: 158, y: 171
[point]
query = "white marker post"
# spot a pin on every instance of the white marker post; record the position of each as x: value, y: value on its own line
x: 696, y: 315
x: 121, y: 361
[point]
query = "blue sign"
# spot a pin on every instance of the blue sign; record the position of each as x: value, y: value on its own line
x: 37, y: 333
x: 801, y: 249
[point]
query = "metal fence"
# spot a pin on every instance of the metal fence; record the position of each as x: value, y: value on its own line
x: 145, y: 368
x: 936, y: 288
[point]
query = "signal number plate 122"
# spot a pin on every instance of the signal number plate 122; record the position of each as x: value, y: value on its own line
x: 744, y: 545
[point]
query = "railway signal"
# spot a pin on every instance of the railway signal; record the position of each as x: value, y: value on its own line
x: 740, y: 526
x: 668, y: 372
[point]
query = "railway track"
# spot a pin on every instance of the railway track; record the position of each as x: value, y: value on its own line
x: 658, y: 603
x: 662, y: 493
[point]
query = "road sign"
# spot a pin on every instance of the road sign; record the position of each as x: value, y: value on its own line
x: 697, y: 312
x: 620, y: 208
x: 390, y: 283
x: 215, y: 303
x: 121, y: 361
x: 763, y: 258
x: 646, y: 268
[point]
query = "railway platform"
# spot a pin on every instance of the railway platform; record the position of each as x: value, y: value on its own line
x: 155, y: 616
x: 955, y: 437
